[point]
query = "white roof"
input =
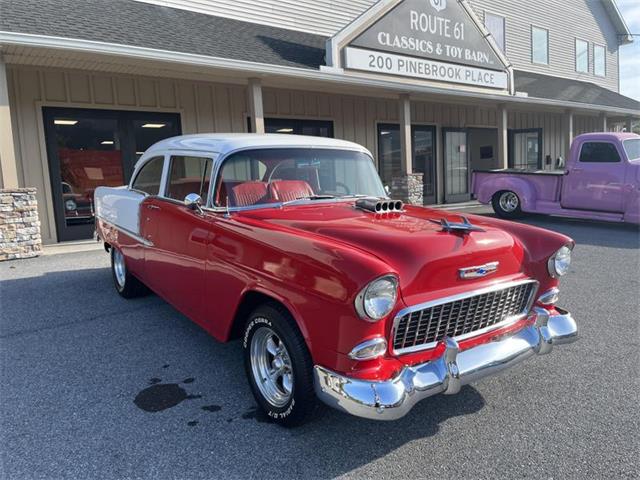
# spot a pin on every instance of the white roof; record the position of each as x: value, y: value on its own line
x: 224, y: 143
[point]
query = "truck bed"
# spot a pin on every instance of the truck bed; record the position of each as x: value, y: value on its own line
x: 533, y: 187
x: 522, y: 172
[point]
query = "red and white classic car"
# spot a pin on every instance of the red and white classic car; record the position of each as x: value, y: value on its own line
x: 337, y: 292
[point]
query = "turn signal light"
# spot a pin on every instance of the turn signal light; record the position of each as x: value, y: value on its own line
x: 374, y: 348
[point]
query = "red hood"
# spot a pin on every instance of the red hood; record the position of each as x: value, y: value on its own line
x: 426, y: 258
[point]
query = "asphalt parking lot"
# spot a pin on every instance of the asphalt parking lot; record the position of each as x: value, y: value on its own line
x: 82, y: 370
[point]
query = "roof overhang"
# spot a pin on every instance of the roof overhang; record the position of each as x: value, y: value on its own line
x: 254, y: 69
x: 624, y: 34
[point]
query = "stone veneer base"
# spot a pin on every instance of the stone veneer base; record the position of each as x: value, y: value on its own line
x: 19, y: 224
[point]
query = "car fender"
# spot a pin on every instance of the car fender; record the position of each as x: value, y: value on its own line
x: 521, y: 187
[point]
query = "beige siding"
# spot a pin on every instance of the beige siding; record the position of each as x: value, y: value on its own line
x: 204, y: 107
x: 584, y: 124
x: 566, y: 20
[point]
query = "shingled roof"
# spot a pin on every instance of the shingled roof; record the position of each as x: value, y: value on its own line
x: 144, y: 25
x: 547, y: 87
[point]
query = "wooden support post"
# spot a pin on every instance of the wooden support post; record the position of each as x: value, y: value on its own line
x: 406, y: 160
x: 503, y: 137
x: 8, y: 163
x: 256, y: 109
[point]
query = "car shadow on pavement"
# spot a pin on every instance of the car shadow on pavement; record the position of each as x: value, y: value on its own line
x: 113, y: 355
x: 587, y: 232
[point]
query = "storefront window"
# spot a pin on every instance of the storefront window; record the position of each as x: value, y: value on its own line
x: 423, y: 155
x: 525, y: 149
x: 314, y: 128
x: 90, y: 148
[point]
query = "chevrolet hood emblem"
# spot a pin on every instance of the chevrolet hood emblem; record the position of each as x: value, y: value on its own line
x: 478, y: 271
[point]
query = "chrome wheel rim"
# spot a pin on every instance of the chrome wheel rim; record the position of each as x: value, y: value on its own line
x: 119, y: 268
x: 271, y: 367
x: 509, y: 201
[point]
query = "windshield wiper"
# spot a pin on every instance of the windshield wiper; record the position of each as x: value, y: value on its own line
x: 311, y: 197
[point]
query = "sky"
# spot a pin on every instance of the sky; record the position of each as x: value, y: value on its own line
x: 630, y: 54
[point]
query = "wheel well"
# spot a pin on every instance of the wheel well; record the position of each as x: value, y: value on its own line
x: 250, y: 301
x: 107, y: 247
x: 500, y: 192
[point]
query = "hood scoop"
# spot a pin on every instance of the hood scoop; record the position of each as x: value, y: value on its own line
x: 379, y: 205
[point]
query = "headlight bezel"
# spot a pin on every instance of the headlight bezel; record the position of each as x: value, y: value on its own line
x: 361, y: 298
x: 566, y: 251
x: 73, y: 203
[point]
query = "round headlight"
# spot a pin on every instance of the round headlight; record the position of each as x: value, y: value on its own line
x: 560, y: 262
x: 378, y: 298
x: 70, y: 205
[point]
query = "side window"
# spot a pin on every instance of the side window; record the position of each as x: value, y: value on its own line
x: 539, y: 45
x: 599, y: 152
x: 495, y: 25
x: 149, y: 176
x: 189, y: 175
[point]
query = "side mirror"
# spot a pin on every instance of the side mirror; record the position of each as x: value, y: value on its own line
x: 193, y: 201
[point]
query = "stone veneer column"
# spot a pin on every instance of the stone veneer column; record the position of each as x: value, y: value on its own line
x: 408, y: 188
x: 19, y: 224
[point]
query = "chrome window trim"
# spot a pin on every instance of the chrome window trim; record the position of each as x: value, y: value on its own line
x: 461, y: 296
x: 141, y: 164
x: 196, y: 154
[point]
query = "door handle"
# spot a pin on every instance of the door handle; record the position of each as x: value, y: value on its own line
x: 153, y: 207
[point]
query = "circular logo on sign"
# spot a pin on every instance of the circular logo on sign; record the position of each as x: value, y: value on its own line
x: 439, y: 5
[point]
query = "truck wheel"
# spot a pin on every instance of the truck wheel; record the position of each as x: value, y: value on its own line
x: 126, y: 284
x: 506, y: 204
x: 278, y: 366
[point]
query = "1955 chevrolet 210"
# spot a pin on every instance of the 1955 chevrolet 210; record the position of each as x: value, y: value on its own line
x: 337, y: 292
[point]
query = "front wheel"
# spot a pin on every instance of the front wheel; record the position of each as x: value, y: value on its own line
x: 278, y: 366
x: 506, y: 204
x: 126, y: 284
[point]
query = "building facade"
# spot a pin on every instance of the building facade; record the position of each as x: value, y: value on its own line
x: 433, y: 88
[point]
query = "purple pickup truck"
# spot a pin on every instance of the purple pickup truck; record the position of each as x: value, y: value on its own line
x: 601, y: 181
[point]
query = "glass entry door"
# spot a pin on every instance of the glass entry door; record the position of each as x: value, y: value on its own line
x: 525, y: 149
x: 91, y: 148
x: 456, y: 165
x: 423, y: 144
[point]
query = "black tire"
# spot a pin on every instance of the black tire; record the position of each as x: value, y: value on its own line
x: 506, y: 204
x: 302, y: 400
x: 126, y: 284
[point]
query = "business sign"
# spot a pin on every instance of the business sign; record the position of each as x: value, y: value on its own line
x: 404, y: 66
x: 430, y: 39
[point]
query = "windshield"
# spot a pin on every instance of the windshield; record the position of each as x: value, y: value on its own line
x: 632, y: 147
x: 270, y: 176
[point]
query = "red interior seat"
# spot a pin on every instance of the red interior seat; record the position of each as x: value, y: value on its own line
x: 287, y: 190
x: 248, y: 193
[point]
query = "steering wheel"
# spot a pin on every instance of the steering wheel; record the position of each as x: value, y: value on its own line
x: 344, y: 187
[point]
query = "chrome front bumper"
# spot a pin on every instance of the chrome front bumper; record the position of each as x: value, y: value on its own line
x: 392, y: 399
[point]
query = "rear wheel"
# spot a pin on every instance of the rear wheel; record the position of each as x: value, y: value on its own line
x: 278, y: 366
x: 126, y: 284
x: 506, y: 204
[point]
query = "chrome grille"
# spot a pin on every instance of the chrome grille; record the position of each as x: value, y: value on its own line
x: 462, y: 316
